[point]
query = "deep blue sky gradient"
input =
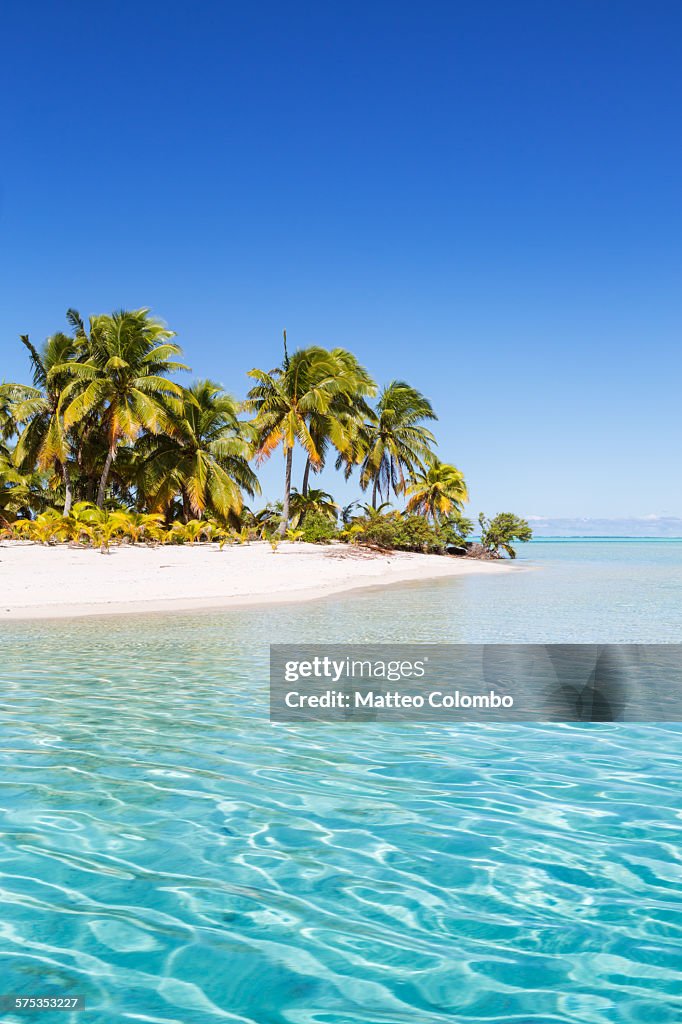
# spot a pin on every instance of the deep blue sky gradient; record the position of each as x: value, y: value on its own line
x: 481, y: 198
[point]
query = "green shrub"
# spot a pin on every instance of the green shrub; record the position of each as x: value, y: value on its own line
x: 394, y: 531
x: 415, y: 533
x: 376, y: 529
x: 455, y: 530
x: 498, y: 533
x: 318, y: 528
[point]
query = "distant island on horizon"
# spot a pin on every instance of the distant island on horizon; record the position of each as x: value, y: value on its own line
x: 653, y: 526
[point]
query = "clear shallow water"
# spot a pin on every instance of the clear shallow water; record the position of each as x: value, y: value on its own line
x: 169, y: 854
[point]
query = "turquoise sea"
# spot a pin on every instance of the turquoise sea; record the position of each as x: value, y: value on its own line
x: 170, y: 855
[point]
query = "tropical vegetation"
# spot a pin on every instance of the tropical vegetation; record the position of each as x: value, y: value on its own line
x: 498, y: 533
x: 107, y: 444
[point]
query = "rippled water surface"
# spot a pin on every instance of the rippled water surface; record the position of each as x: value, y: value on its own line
x: 172, y: 856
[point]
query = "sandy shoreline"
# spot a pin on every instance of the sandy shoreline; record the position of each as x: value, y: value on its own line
x: 39, y: 582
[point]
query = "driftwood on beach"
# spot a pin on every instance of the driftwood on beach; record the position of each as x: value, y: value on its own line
x: 475, y: 550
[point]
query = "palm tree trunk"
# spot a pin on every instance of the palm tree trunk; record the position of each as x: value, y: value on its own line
x: 375, y: 488
x: 87, y: 489
x: 287, y: 492
x: 101, y: 493
x: 68, y: 498
x: 306, y: 479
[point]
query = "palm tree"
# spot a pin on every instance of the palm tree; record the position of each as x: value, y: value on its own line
x: 287, y: 401
x: 43, y: 440
x: 7, y: 421
x: 340, y: 424
x: 395, y: 441
x: 263, y: 520
x: 20, y: 493
x: 123, y: 380
x: 13, y: 488
x: 315, y: 501
x: 436, y: 491
x: 204, y: 458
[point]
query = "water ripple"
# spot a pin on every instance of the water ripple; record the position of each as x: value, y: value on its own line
x: 169, y: 854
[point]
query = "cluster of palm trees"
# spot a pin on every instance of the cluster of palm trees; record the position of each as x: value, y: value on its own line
x: 105, y: 423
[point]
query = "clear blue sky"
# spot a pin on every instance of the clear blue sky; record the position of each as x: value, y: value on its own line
x: 483, y: 199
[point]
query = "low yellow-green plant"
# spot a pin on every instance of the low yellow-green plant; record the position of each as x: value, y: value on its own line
x: 139, y: 526
x: 221, y: 536
x: 87, y: 525
x: 49, y: 527
x: 191, y: 532
x: 351, y: 534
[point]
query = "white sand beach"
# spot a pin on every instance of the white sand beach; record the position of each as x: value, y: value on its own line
x: 62, y: 581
